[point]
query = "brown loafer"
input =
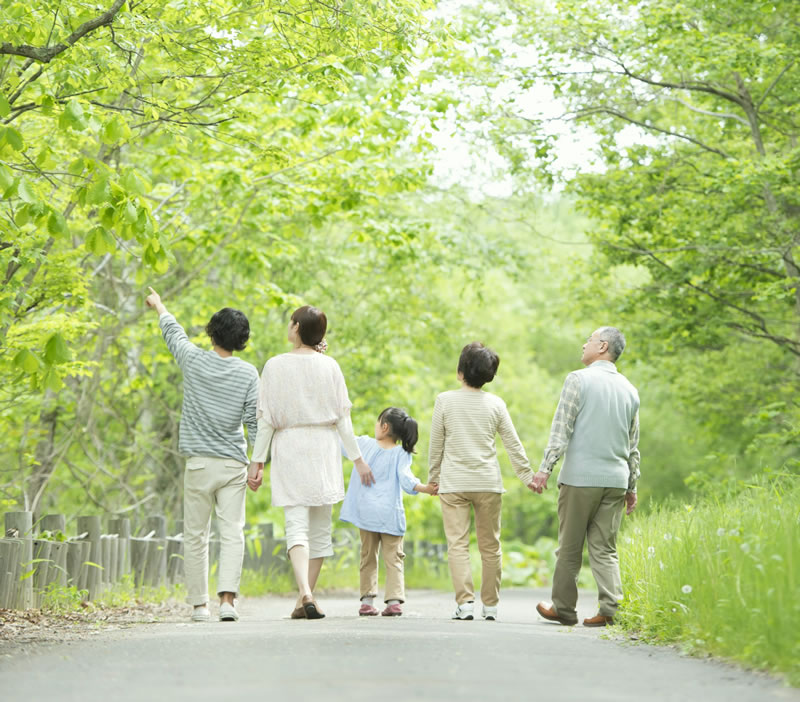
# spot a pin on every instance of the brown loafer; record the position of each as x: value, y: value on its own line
x: 298, y: 613
x: 548, y: 612
x: 312, y: 608
x: 598, y: 620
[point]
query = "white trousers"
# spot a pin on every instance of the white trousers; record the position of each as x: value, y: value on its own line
x: 210, y: 483
x: 309, y: 527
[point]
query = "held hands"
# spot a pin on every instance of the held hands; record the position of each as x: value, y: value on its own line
x: 255, y: 475
x: 429, y: 489
x: 539, y: 482
x: 630, y: 502
x: 367, y: 478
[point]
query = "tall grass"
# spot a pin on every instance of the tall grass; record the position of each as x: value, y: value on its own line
x: 720, y: 576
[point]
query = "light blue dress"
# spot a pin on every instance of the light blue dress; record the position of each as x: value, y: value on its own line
x: 379, y: 507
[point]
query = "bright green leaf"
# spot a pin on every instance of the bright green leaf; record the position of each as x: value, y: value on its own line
x: 56, y: 350
x: 27, y: 361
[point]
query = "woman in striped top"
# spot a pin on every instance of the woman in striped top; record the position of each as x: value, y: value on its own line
x: 463, y: 461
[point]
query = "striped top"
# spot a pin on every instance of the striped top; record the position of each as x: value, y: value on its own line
x: 463, y: 455
x: 219, y: 394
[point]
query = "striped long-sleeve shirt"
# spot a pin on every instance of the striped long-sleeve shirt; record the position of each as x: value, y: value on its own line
x: 219, y: 395
x: 463, y: 454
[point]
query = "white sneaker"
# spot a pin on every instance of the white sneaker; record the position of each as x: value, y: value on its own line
x: 201, y: 614
x: 228, y: 613
x: 490, y: 613
x: 464, y: 611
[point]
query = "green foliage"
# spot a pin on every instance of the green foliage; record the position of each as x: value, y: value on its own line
x: 719, y: 576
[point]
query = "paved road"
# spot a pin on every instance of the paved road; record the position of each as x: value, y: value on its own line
x: 422, y: 655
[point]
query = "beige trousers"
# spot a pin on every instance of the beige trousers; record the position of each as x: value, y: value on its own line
x: 456, y: 512
x: 392, y: 548
x: 590, y: 514
x: 210, y: 483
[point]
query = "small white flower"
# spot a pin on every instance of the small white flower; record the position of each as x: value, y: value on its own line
x: 745, y: 547
x: 686, y: 589
x: 628, y: 540
x: 734, y: 532
x: 667, y: 537
x: 650, y: 552
x: 661, y: 565
x: 720, y: 532
x: 674, y: 610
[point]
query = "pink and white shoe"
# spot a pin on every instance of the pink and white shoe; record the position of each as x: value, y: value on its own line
x: 392, y: 610
x: 367, y: 611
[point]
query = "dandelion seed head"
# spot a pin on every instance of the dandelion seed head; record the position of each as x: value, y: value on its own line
x: 720, y: 532
x: 667, y: 537
x: 745, y: 547
x: 686, y: 589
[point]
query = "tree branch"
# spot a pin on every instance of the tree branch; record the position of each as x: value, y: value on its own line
x: 45, y: 54
x: 650, y: 127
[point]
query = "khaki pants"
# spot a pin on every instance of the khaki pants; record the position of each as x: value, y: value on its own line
x: 456, y: 508
x: 590, y: 514
x: 392, y: 547
x: 208, y: 483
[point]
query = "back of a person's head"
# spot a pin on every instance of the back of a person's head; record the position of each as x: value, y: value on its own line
x: 229, y: 329
x: 478, y: 364
x: 313, y: 324
x: 402, y: 427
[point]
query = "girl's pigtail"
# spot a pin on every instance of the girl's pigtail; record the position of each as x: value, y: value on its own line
x: 410, y: 434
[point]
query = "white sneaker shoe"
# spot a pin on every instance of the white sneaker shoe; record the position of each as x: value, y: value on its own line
x: 228, y: 613
x: 464, y: 611
x: 201, y: 614
x: 490, y: 613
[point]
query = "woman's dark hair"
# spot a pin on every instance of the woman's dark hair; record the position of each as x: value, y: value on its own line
x: 401, y: 426
x: 478, y: 364
x: 229, y: 329
x: 313, y: 324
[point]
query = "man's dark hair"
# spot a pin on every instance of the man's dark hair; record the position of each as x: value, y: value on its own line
x: 229, y: 329
x: 478, y: 364
x: 313, y: 324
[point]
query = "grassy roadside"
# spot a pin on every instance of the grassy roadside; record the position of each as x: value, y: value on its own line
x: 720, y: 577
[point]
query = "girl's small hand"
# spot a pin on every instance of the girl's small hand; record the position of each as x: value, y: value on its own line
x: 367, y: 478
x: 434, y: 488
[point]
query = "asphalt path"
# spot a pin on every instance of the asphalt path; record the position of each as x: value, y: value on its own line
x: 423, y: 655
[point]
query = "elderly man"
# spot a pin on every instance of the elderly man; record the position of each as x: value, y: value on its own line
x: 597, y: 425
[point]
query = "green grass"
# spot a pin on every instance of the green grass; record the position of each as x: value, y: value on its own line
x: 720, y: 577
x: 63, y: 600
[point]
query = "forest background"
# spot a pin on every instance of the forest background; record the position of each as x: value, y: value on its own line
x: 518, y: 173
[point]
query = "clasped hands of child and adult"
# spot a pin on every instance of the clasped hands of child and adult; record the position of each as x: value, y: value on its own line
x: 255, y: 476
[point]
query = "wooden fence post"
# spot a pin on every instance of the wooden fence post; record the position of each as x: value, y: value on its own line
x: 157, y: 557
x: 121, y: 526
x: 54, y: 523
x: 90, y: 525
x: 10, y: 550
x: 19, y: 525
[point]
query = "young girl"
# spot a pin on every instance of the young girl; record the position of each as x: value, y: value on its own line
x: 377, y: 510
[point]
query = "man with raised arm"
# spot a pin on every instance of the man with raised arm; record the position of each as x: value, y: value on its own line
x: 597, y: 425
x: 220, y: 394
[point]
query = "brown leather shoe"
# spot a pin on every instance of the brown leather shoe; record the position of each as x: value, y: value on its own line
x: 598, y: 620
x: 298, y: 613
x: 312, y: 608
x: 549, y: 613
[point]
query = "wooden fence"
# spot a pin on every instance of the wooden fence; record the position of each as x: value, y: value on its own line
x: 35, y: 558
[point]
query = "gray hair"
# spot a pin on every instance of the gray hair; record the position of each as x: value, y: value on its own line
x: 615, y: 340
